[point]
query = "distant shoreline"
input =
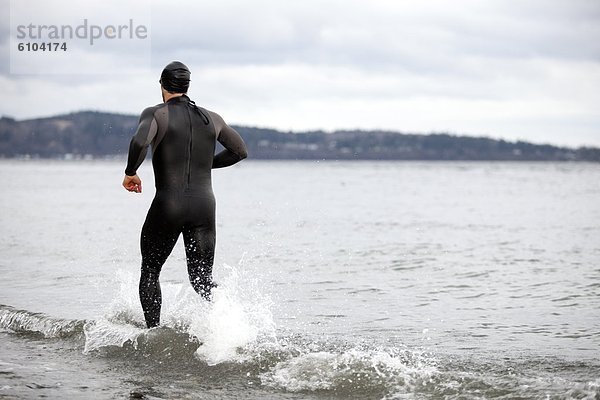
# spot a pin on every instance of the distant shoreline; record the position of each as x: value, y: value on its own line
x: 122, y: 158
x: 97, y: 135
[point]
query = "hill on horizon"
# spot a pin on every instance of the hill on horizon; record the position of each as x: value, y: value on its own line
x: 99, y: 134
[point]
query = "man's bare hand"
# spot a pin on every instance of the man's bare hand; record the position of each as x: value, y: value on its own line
x: 132, y: 183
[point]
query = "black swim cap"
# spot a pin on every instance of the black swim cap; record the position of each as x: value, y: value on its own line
x: 175, y: 78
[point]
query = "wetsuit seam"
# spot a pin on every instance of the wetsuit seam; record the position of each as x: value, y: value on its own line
x: 210, y: 121
x: 160, y: 134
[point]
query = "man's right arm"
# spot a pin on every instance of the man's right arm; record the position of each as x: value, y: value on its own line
x: 144, y: 135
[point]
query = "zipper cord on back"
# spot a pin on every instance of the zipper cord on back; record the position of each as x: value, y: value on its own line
x: 199, y: 111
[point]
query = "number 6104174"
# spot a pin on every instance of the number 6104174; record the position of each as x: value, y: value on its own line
x: 45, y: 46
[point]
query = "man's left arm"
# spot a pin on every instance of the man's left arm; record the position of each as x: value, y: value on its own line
x: 235, y: 148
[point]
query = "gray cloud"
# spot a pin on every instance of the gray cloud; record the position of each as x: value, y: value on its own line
x: 411, y: 34
x: 512, y: 69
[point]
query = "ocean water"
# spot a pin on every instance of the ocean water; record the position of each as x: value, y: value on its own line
x: 338, y: 280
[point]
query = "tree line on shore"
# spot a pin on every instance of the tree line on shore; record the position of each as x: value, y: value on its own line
x: 94, y: 134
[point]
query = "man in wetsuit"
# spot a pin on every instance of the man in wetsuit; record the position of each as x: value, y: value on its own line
x: 183, y: 138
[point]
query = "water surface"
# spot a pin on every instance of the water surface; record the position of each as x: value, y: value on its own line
x: 366, y: 280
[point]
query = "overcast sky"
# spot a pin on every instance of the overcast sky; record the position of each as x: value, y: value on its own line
x: 520, y: 69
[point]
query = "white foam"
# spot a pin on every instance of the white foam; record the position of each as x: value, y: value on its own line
x: 238, y: 316
x: 348, y: 370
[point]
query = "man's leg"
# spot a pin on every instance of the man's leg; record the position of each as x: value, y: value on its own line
x: 156, y: 244
x: 200, y: 252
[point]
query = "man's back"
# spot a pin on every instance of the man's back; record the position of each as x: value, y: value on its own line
x: 184, y: 146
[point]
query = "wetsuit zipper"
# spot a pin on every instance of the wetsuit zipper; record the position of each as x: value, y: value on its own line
x: 189, y: 160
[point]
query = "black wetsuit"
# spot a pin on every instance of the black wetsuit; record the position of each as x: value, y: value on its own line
x: 183, y: 138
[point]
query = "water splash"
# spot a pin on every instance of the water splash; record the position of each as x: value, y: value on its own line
x: 238, y: 316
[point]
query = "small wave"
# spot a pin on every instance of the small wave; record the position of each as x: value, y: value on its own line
x: 352, y: 371
x: 27, y: 322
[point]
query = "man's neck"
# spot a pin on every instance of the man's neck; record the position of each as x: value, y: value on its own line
x: 169, y: 96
